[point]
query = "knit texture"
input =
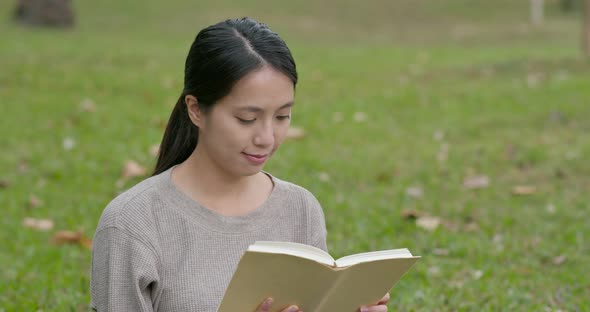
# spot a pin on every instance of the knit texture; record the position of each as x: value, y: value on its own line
x: 156, y: 249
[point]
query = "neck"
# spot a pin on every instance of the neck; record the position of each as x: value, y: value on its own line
x: 205, y: 179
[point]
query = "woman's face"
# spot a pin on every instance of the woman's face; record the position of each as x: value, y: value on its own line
x: 243, y: 129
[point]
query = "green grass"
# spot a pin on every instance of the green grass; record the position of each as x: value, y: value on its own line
x: 512, y: 102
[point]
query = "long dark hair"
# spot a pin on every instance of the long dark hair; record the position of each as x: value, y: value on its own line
x: 220, y: 56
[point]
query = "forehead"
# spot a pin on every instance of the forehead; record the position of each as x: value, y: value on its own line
x: 265, y: 88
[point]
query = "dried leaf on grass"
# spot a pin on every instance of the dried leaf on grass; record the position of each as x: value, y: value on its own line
x: 68, y: 143
x: 440, y: 251
x: 34, y: 201
x: 471, y: 226
x: 559, y: 260
x: 295, y: 133
x: 155, y: 150
x: 476, y: 182
x: 38, y: 224
x: 133, y: 169
x: 360, y: 116
x: 88, y: 105
x: 71, y: 237
x: 23, y: 166
x: 4, y: 183
x: 324, y: 177
x: 524, y: 190
x: 428, y: 223
x: 415, y: 192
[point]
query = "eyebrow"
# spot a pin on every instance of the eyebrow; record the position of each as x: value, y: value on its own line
x: 256, y: 109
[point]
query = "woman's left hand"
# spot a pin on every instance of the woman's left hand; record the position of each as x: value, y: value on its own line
x: 380, y: 306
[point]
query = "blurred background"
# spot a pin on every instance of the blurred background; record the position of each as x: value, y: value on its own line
x: 458, y: 129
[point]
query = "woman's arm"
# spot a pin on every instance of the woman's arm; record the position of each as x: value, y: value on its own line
x: 124, y: 274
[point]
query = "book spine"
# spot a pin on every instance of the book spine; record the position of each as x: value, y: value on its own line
x: 320, y: 306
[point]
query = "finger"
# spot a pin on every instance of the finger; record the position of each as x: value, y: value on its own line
x: 291, y: 308
x: 265, y: 305
x: 385, y: 299
x: 373, y: 308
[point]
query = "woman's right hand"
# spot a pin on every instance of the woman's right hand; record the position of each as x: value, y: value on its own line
x: 267, y: 304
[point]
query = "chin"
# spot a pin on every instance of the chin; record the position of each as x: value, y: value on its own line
x: 246, y: 172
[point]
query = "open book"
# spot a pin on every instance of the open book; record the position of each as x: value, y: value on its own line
x: 309, y: 277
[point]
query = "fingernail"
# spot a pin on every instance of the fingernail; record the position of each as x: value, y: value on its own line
x: 268, y: 303
x: 293, y: 309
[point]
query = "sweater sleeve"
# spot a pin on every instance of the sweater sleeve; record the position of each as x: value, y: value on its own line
x: 124, y: 275
x: 317, y: 223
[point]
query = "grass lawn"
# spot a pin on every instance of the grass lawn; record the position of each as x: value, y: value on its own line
x: 403, y: 104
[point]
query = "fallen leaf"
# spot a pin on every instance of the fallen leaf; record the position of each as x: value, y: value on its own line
x: 433, y: 270
x: 443, y: 153
x: 155, y: 150
x: 415, y: 192
x: 410, y: 214
x: 550, y: 208
x: 428, y: 223
x: 439, y: 135
x: 497, y: 239
x: 440, y: 251
x: 477, y: 274
x: 360, y: 116
x: 38, y: 224
x: 23, y: 166
x: 167, y: 82
x: 559, y: 260
x: 324, y: 177
x: 295, y: 133
x: 524, y: 190
x: 71, y: 237
x: 34, y: 201
x: 133, y: 169
x: 68, y: 143
x: 87, y: 105
x: 471, y: 227
x: 476, y: 182
x: 4, y: 183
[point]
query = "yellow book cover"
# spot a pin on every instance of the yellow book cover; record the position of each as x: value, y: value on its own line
x: 307, y: 276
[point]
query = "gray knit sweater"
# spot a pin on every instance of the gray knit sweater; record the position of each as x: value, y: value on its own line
x: 156, y: 249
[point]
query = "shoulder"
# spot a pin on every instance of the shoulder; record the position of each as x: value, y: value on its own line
x: 298, y: 196
x: 296, y: 191
x: 132, y: 209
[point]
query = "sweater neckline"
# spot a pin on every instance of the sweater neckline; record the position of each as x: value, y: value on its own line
x: 215, y: 221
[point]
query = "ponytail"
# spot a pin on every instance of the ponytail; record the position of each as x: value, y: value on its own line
x: 180, y: 138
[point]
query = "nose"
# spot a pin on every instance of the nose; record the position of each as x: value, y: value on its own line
x: 264, y: 135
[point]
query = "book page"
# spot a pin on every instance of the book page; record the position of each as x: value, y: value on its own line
x: 364, y: 283
x: 288, y: 279
x: 373, y: 256
x: 294, y: 249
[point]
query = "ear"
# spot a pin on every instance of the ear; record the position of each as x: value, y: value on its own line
x: 194, y: 110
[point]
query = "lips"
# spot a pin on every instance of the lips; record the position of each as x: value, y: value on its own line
x: 256, y: 159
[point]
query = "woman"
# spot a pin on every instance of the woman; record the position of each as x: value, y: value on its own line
x: 172, y: 242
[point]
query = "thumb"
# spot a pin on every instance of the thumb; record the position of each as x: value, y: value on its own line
x: 265, y: 305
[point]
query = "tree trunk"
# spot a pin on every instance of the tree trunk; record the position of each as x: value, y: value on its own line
x: 586, y: 29
x: 53, y: 13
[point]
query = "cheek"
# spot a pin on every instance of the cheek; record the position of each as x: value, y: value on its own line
x: 281, y: 134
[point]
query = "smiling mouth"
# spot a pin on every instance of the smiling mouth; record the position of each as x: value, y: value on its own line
x: 256, y: 159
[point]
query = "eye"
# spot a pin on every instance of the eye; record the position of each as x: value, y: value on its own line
x: 246, y: 121
x: 284, y: 117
